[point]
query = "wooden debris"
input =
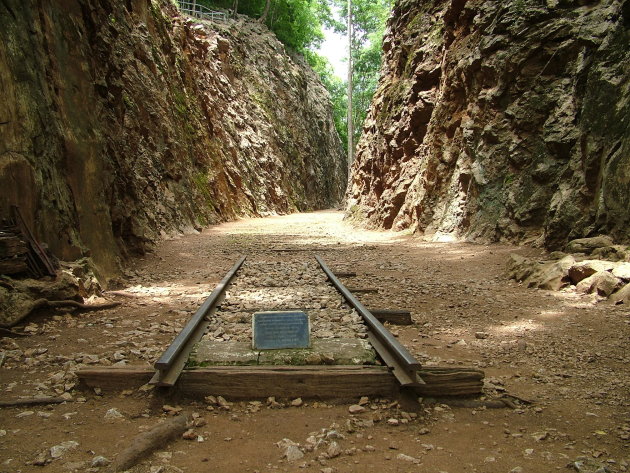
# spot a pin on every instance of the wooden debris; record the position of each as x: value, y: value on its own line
x: 38, y: 261
x: 363, y: 290
x: 13, y: 252
x: 15, y: 265
x: 33, y: 401
x: 10, y: 333
x: 345, y: 274
x: 79, y: 305
x: 500, y: 403
x: 396, y: 317
x: 145, y: 443
x: 11, y: 245
x: 448, y: 381
x: 130, y: 295
x: 298, y: 250
x: 45, y: 303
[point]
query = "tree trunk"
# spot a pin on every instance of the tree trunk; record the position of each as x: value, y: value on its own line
x: 350, y: 123
x: 234, y: 8
x: 263, y: 18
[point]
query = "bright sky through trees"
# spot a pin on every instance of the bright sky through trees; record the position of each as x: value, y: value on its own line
x: 334, y: 49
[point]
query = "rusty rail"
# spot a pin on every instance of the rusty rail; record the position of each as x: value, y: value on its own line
x: 170, y: 365
x: 402, y: 363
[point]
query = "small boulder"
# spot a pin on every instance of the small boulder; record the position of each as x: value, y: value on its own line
x: 356, y: 409
x: 622, y: 296
x: 622, y: 271
x: 584, y: 269
x: 602, y: 282
x: 521, y: 268
x: 100, y: 460
x: 58, y: 451
x: 553, y: 276
x: 113, y: 414
x: 587, y: 245
x: 334, y: 450
x: 588, y: 465
x: 407, y: 458
x: 613, y: 253
x: 293, y: 453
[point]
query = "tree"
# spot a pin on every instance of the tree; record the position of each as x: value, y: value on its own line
x: 350, y: 91
x: 263, y: 17
x: 298, y: 24
x: 369, y: 18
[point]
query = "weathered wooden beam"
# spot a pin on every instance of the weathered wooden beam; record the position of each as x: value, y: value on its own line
x: 13, y: 265
x: 11, y: 245
x: 34, y: 401
x: 254, y: 382
x: 116, y: 379
x: 449, y: 381
x: 345, y: 274
x: 322, y: 382
x: 396, y: 317
x: 363, y: 290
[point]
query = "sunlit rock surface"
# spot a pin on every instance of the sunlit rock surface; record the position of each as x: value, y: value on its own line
x: 122, y: 120
x: 500, y: 121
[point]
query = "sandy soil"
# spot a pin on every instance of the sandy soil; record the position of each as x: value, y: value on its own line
x: 567, y: 354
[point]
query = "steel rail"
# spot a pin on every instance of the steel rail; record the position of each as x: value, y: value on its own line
x: 404, y: 366
x: 169, y: 357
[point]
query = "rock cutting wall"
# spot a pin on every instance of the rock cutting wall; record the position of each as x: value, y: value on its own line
x: 122, y: 120
x: 500, y: 120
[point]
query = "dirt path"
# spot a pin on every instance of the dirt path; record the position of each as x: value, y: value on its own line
x: 566, y: 353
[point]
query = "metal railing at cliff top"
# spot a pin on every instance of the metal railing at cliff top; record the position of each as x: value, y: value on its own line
x: 192, y: 8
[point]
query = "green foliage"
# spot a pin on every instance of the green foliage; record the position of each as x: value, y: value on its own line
x: 338, y: 93
x: 369, y: 21
x: 297, y: 23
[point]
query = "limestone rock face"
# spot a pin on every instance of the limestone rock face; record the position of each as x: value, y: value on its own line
x: 500, y: 121
x: 122, y: 121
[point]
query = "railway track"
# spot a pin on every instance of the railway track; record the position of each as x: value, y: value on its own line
x: 352, y: 352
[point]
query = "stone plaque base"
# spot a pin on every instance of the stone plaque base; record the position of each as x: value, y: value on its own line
x: 331, y: 351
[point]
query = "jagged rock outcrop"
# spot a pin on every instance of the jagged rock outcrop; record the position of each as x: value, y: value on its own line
x: 500, y: 121
x: 121, y: 120
x: 595, y: 267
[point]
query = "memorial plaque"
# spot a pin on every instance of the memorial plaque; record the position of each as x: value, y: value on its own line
x: 276, y: 330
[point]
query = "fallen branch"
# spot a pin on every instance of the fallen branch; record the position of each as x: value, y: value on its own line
x: 33, y: 401
x: 77, y: 305
x: 476, y: 403
x: 146, y: 442
x: 123, y: 294
x: 45, y: 304
x: 10, y: 333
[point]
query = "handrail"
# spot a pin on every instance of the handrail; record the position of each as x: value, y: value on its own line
x: 192, y: 8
